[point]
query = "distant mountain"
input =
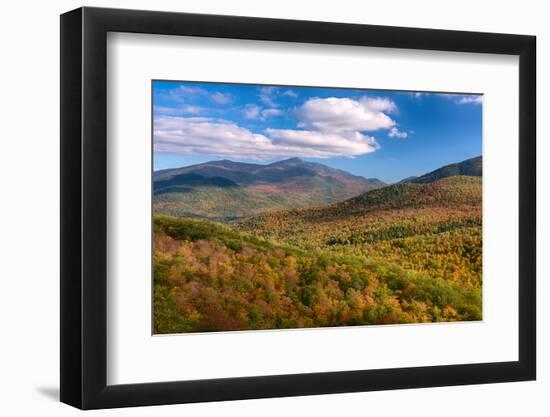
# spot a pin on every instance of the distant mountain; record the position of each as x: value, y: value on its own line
x: 187, y: 182
x: 469, y: 167
x: 281, y: 172
x: 227, y: 190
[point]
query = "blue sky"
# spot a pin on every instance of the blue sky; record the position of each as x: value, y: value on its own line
x: 374, y: 133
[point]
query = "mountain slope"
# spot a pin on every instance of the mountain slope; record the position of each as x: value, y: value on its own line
x: 187, y: 182
x: 208, y: 277
x: 281, y: 172
x: 469, y: 167
x: 447, y: 192
x: 404, y: 253
x: 227, y: 190
x: 395, y: 211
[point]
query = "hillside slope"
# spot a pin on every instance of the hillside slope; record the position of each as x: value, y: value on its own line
x: 227, y: 190
x: 430, y: 228
x: 449, y: 195
x: 469, y: 167
x: 208, y: 277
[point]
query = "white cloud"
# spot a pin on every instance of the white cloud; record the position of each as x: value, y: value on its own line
x: 266, y: 96
x: 217, y: 137
x: 381, y: 104
x: 324, y: 144
x: 290, y: 93
x: 268, y: 90
x: 268, y: 101
x: 418, y: 94
x: 396, y: 133
x: 346, y: 115
x: 185, y: 92
x: 205, y: 136
x: 252, y: 111
x: 470, y: 100
x: 328, y: 127
x: 463, y: 98
x: 188, y: 90
x: 271, y: 113
x: 180, y: 110
x: 269, y: 95
x: 220, y: 98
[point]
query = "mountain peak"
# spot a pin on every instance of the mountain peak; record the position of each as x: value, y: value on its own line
x: 220, y: 162
x: 289, y: 161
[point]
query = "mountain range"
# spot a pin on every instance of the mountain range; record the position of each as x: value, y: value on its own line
x: 409, y: 252
x: 228, y: 190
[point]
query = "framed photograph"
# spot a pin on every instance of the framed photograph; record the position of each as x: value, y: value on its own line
x: 257, y: 208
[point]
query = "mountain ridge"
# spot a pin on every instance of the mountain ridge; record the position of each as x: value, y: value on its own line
x: 259, y: 170
x: 439, y: 201
x: 468, y: 167
x: 224, y: 189
x: 456, y: 191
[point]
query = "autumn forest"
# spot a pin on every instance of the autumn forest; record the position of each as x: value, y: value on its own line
x: 296, y: 244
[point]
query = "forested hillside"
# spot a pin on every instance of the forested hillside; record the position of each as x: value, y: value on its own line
x: 405, y: 253
x: 209, y: 278
x: 394, y: 211
x: 226, y: 191
x: 471, y: 167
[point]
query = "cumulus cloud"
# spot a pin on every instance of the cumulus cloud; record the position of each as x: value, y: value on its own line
x: 337, y: 115
x: 381, y: 104
x: 206, y: 136
x: 326, y: 127
x: 324, y: 144
x: 394, y: 132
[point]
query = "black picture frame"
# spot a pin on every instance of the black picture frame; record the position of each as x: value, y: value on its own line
x: 84, y: 207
